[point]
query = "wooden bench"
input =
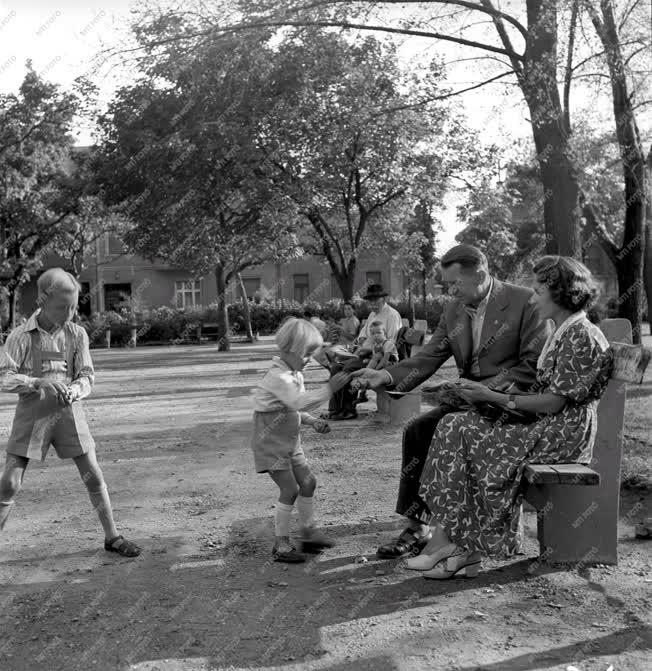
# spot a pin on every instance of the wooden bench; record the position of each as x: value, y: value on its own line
x: 577, y: 505
x: 203, y: 327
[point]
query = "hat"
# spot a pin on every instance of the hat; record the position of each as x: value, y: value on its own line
x: 375, y: 291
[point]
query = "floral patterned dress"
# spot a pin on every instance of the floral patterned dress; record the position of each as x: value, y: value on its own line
x: 471, y: 480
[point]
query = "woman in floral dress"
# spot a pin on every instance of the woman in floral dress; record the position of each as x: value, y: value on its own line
x: 472, y: 477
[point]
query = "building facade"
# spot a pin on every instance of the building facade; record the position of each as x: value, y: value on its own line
x: 112, y: 275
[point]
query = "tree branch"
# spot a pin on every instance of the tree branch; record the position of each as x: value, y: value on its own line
x: 491, y: 11
x: 568, y: 75
x: 515, y: 57
x: 444, y: 96
x: 504, y: 37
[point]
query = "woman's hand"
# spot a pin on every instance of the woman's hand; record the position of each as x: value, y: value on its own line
x: 476, y: 392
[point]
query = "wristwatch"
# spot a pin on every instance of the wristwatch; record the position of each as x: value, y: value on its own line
x: 511, y: 402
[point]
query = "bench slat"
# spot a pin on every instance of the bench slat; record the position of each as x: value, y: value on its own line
x: 561, y: 474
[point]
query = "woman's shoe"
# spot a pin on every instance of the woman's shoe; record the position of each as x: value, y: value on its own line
x: 466, y: 565
x: 430, y: 558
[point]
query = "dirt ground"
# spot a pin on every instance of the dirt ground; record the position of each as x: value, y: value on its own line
x: 172, y: 431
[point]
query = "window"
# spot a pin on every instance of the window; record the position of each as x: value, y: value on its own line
x: 114, y: 294
x: 187, y: 293
x: 374, y: 277
x: 251, y: 286
x: 113, y: 246
x: 301, y: 287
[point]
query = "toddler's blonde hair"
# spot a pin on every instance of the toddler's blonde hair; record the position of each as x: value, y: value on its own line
x: 297, y: 336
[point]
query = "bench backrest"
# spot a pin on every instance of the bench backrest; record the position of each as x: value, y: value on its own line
x: 420, y: 325
x: 608, y: 444
x: 599, y: 505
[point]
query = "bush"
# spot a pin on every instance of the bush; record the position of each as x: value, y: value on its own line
x: 173, y: 325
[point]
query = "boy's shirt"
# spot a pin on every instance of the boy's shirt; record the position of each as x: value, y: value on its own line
x: 386, y: 347
x: 16, y: 374
x: 282, y: 388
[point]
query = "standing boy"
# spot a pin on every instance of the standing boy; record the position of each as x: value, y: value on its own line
x: 47, y: 362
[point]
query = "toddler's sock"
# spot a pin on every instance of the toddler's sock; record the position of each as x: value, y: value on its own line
x: 5, y: 509
x: 305, y: 511
x: 282, y: 519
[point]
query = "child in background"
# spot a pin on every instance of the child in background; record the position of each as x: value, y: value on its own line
x: 47, y: 363
x: 383, y: 353
x: 280, y: 401
x: 384, y: 350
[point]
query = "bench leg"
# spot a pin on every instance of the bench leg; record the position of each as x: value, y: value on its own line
x: 575, y: 524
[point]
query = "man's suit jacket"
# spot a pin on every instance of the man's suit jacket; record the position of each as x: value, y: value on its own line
x: 511, y: 341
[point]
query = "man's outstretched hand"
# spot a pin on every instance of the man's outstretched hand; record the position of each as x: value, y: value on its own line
x: 368, y: 378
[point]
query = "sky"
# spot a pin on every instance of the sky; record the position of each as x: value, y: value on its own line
x: 63, y: 37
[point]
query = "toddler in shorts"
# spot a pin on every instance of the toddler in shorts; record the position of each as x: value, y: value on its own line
x: 280, y: 404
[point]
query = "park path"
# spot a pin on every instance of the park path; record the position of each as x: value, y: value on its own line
x: 172, y: 431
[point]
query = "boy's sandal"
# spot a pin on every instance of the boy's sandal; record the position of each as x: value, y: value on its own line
x: 122, y: 546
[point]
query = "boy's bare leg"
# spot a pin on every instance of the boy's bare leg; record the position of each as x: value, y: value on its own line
x: 92, y: 477
x: 11, y: 481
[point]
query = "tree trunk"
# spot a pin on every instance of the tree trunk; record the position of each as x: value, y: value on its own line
x: 630, y: 259
x: 13, y: 291
x: 223, y: 334
x: 424, y: 290
x: 647, y: 262
x: 538, y: 81
x: 345, y: 283
x: 245, y: 308
x: 345, y: 277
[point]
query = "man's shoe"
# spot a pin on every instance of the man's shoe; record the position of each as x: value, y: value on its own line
x: 348, y: 414
x: 408, y: 543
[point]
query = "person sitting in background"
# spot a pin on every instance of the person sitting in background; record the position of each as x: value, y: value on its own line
x: 349, y: 324
x: 383, y: 350
x: 383, y: 353
x: 316, y: 321
x: 342, y: 404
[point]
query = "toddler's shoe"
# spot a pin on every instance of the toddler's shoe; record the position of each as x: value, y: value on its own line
x: 313, y: 541
x: 285, y: 552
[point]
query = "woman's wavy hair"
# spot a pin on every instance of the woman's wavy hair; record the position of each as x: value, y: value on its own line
x: 569, y: 281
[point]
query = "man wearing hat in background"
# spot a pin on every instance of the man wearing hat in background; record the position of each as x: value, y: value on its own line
x: 342, y: 404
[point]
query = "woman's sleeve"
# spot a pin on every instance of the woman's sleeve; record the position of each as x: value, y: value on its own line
x: 578, y: 366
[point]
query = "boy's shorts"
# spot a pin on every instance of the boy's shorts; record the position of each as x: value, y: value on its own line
x: 41, y: 423
x: 276, y: 441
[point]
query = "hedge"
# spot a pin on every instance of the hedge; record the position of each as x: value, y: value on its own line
x: 172, y: 325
